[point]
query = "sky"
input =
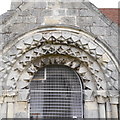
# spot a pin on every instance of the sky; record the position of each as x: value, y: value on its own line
x: 5, y: 4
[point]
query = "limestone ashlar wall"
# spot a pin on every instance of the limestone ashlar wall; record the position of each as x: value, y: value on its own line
x: 22, y: 20
x: 26, y: 16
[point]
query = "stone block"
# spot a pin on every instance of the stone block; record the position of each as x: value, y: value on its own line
x: 92, y: 45
x: 27, y: 12
x: 99, y: 51
x: 83, y: 69
x: 29, y: 19
x: 10, y: 110
x: 20, y: 106
x: 84, y: 40
x: 26, y: 76
x: 21, y: 115
x: 18, y: 20
x: 86, y: 13
x: 105, y: 57
x: 9, y: 93
x: 1, y: 99
x: 91, y: 110
x: 28, y: 41
x: 68, y: 20
x: 37, y: 37
x: 73, y: 5
x: 72, y: 12
x: 51, y: 4
x: 99, y: 22
x: 3, y: 110
x: 40, y: 5
x: 89, y: 95
x: 40, y: 20
x: 20, y: 45
x: 23, y: 95
x: 84, y: 21
x: 100, y: 31
x: 61, y: 12
x: 51, y: 20
x: 46, y: 12
x: 16, y: 4
x: 9, y: 99
x: 13, y: 75
x: 22, y: 84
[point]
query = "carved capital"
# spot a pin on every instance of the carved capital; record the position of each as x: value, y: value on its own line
x: 114, y: 96
x: 101, y: 96
x: 9, y: 93
x: 89, y: 95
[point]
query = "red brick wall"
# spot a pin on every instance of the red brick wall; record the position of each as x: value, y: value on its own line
x: 112, y: 13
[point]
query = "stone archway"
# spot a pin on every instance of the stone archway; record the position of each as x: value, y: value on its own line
x: 76, y: 49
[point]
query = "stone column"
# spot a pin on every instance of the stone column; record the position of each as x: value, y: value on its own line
x: 2, y: 108
x: 21, y: 105
x: 108, y: 109
x: 90, y: 105
x: 101, y: 99
x: 114, y: 103
x: 10, y: 110
x: 9, y: 100
x: 114, y: 110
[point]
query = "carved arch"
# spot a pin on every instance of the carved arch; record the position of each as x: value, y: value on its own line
x: 34, y: 45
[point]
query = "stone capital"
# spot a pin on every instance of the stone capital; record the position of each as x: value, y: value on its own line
x: 89, y: 95
x: 114, y: 96
x: 101, y: 96
x: 9, y: 93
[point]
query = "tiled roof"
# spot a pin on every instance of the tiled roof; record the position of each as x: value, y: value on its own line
x: 112, y: 13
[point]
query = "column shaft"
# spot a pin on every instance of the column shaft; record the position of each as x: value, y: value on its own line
x: 10, y: 110
x: 108, y: 110
x: 114, y: 110
x: 102, y: 113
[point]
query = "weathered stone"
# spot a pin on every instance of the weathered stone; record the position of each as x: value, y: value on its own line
x: 21, y: 115
x: 73, y: 5
x: 9, y: 99
x: 29, y: 19
x: 10, y: 110
x: 68, y: 20
x: 75, y: 34
x: 100, y: 31
x: 1, y: 99
x: 37, y: 37
x: 86, y: 12
x: 3, y: 110
x: 91, y: 109
x: 101, y: 96
x: 61, y: 12
x: 23, y: 95
x: 89, y: 95
x: 105, y: 57
x: 20, y: 109
x: 52, y: 20
x: 84, y: 21
x: 39, y: 4
x: 26, y: 76
x: 91, y: 45
x: 22, y: 84
x: 73, y: 12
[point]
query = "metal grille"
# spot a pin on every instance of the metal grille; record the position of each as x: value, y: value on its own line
x: 56, y: 92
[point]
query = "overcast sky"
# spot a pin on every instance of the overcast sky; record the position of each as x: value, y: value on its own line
x: 5, y: 4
